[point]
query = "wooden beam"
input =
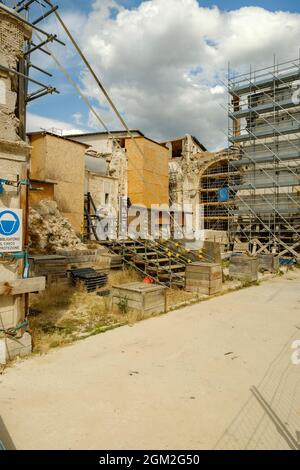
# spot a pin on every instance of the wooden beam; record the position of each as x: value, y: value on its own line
x: 290, y: 249
x: 23, y: 286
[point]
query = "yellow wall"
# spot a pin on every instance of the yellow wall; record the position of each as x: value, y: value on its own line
x: 44, y: 191
x: 148, y: 174
x: 38, y: 157
x: 61, y: 160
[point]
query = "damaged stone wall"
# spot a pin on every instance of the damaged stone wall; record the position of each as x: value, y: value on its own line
x: 117, y: 168
x: 14, y: 158
x: 12, y: 35
x: 105, y: 148
x: 187, y: 170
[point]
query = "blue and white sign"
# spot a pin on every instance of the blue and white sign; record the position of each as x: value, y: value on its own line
x: 11, y: 230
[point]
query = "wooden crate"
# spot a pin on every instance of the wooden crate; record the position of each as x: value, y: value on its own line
x: 140, y: 296
x: 268, y: 262
x: 212, y: 252
x: 53, y: 267
x: 115, y: 261
x: 244, y: 268
x: 204, y: 278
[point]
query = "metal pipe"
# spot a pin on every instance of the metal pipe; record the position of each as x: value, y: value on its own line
x: 50, y: 38
x: 20, y: 18
x: 24, y: 5
x: 6, y: 69
x: 35, y: 96
x: 45, y: 15
x: 40, y: 70
x: 41, y: 49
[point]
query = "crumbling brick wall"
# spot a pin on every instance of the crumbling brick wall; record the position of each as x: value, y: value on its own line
x: 12, y: 36
x: 14, y: 156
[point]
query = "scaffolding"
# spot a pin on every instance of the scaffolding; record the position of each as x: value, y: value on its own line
x: 31, y: 86
x: 216, y: 195
x: 264, y: 127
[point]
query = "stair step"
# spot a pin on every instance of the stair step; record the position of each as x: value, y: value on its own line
x: 177, y: 283
x: 153, y: 260
x: 165, y: 268
x: 127, y: 247
x: 177, y: 266
x: 139, y: 255
x: 178, y: 275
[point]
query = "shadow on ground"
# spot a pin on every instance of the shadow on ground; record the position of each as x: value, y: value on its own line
x: 5, y: 438
x: 270, y: 419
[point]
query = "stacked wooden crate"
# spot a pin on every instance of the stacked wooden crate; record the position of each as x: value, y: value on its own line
x: 116, y: 261
x: 53, y: 267
x: 203, y: 278
x: 147, y: 298
x: 212, y: 252
x: 86, y: 258
x: 268, y: 262
x: 244, y: 268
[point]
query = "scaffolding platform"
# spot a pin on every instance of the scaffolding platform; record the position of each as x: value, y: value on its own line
x: 265, y: 128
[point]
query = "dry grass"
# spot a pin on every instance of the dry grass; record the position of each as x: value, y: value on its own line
x: 64, y: 315
x: 179, y: 296
x: 67, y: 315
x: 124, y: 277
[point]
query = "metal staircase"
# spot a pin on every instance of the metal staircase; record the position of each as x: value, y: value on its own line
x: 152, y: 259
x: 162, y: 261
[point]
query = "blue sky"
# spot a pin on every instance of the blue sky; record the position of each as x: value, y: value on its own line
x: 140, y: 89
x: 273, y: 5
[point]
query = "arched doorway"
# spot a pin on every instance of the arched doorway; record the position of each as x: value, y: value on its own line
x: 217, y: 193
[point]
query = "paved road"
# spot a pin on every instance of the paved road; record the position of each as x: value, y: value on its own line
x: 180, y: 381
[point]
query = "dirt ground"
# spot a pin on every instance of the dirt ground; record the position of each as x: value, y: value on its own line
x: 179, y: 381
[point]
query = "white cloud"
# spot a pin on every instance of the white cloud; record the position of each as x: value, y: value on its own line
x: 77, y: 117
x: 37, y: 123
x: 75, y: 20
x: 218, y: 90
x: 165, y: 62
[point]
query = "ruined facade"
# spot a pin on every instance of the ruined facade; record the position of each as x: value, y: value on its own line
x: 200, y: 177
x: 184, y: 169
x: 14, y: 158
x: 140, y: 166
x: 109, y: 154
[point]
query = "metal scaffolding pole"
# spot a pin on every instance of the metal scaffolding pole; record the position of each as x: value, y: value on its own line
x: 263, y: 119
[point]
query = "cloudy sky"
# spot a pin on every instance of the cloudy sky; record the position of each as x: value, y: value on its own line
x: 164, y: 62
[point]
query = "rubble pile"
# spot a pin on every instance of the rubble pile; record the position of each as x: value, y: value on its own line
x: 49, y: 231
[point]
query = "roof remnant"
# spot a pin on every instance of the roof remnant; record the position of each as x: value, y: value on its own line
x: 65, y: 137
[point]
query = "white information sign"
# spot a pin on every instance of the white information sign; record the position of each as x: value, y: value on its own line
x: 11, y: 238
